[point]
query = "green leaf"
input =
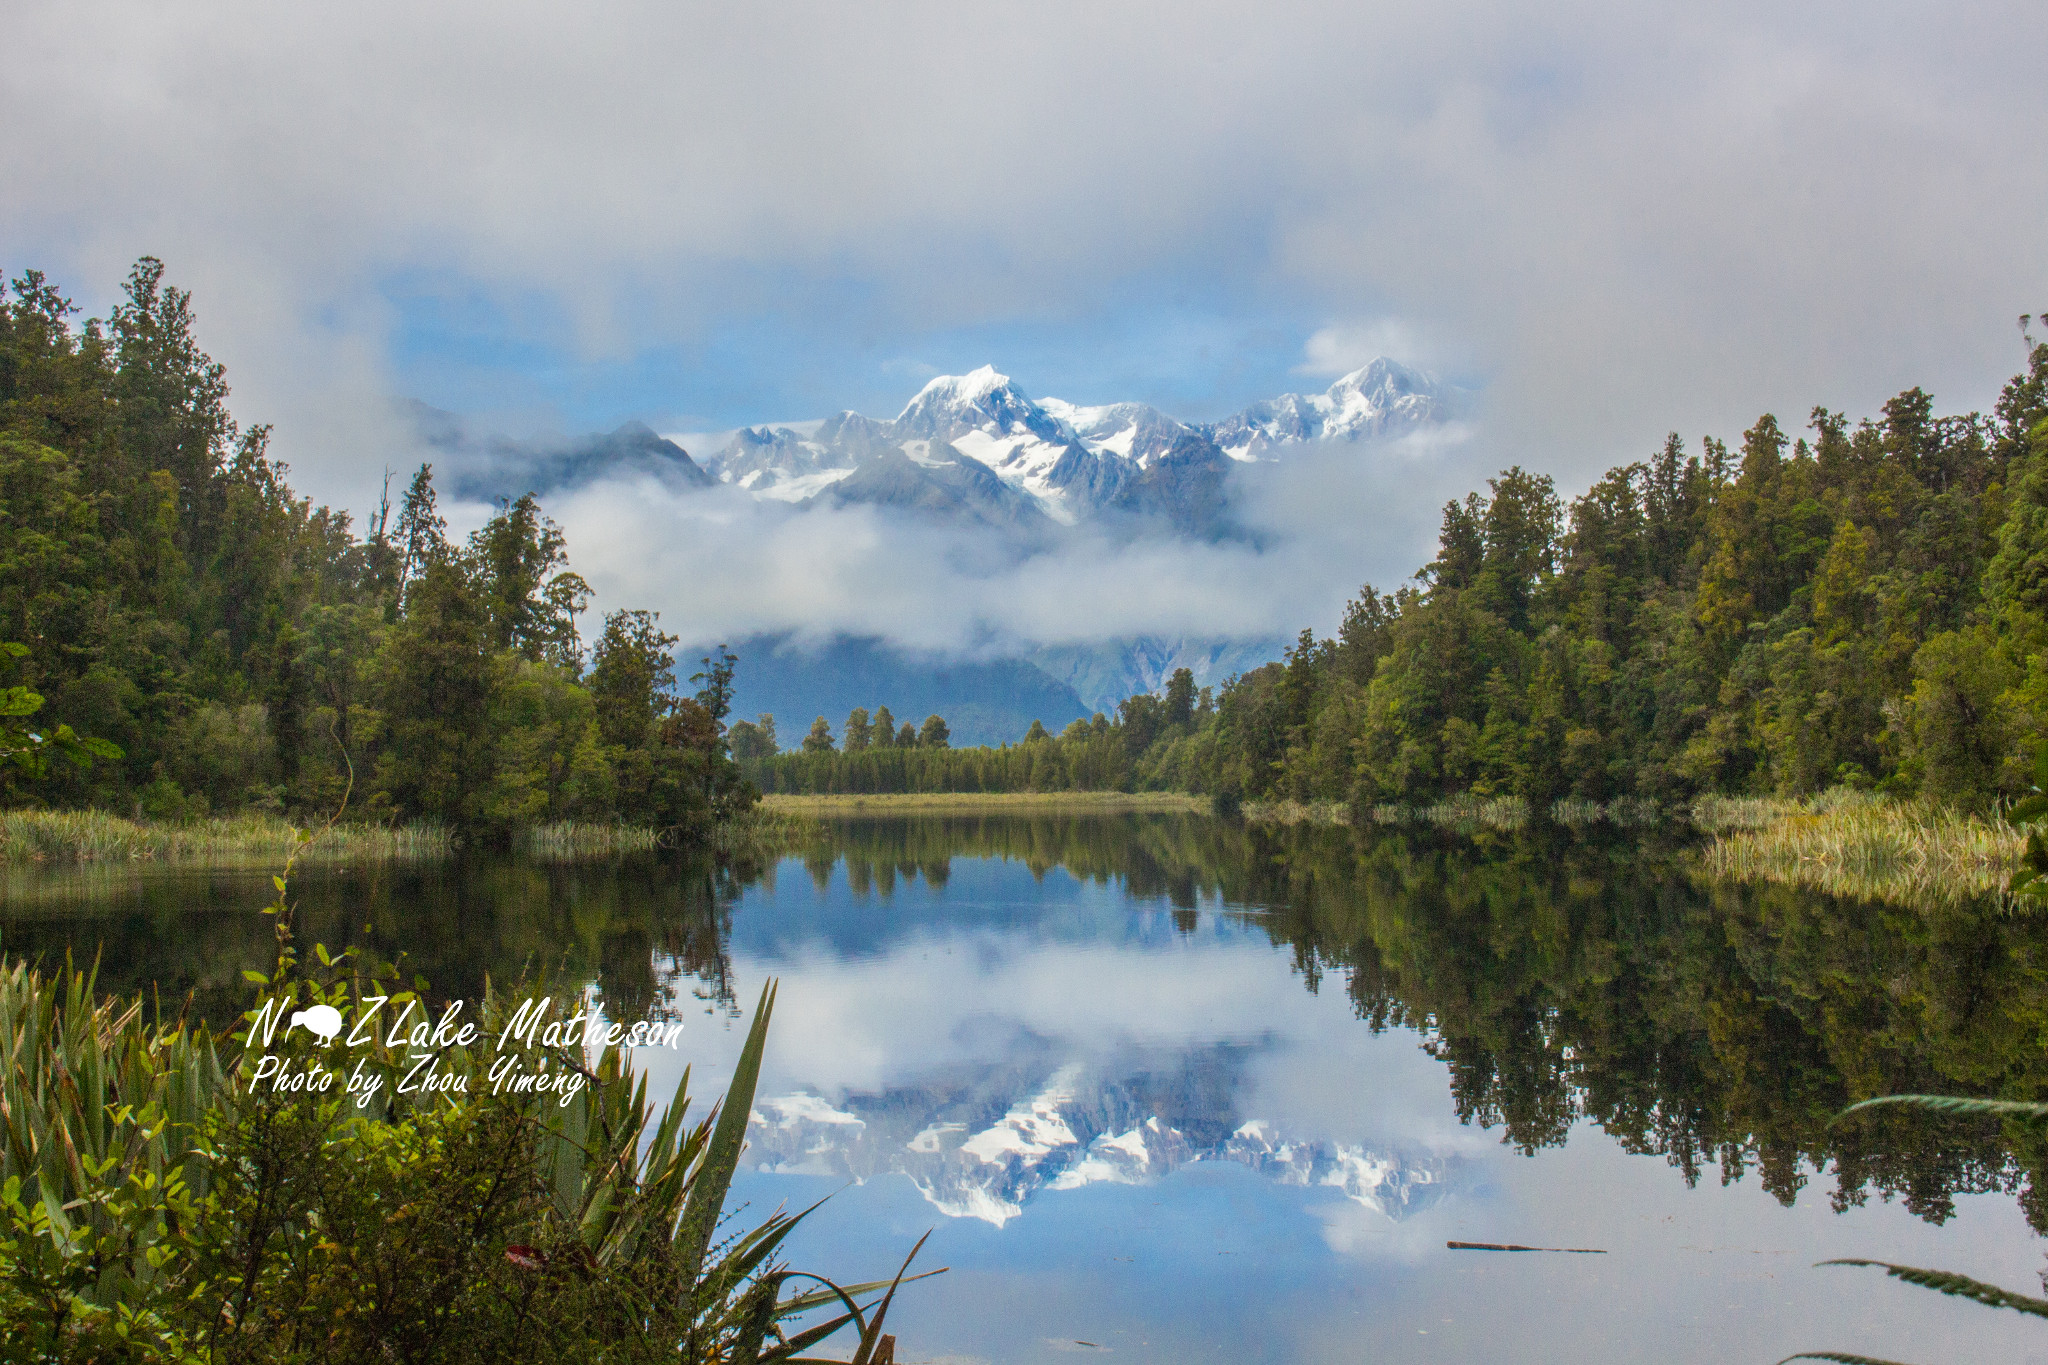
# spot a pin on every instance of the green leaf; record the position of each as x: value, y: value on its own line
x: 873, y: 1335
x: 1959, y: 1286
x: 1955, y: 1104
x: 722, y: 1156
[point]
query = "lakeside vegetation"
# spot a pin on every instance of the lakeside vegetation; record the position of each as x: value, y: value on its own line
x: 164, y: 1198
x: 233, y: 649
x: 61, y: 837
x: 68, y: 836
x: 1849, y: 844
x: 1591, y: 977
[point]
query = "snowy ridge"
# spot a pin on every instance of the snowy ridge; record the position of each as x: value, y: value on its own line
x: 1072, y: 460
x: 972, y: 1154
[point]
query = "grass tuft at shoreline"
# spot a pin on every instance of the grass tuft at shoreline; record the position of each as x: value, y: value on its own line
x: 1850, y: 843
x: 30, y: 838
x: 68, y: 836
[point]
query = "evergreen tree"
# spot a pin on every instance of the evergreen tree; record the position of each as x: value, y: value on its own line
x: 520, y: 560
x: 434, y: 688
x: 1180, y: 701
x: 422, y: 534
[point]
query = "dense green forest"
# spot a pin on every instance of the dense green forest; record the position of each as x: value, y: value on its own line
x: 246, y: 649
x: 1864, y: 605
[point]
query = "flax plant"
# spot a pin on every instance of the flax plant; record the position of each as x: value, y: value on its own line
x: 1942, y: 1281
x: 160, y: 1202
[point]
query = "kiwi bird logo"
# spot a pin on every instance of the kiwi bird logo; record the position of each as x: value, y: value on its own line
x: 322, y: 1021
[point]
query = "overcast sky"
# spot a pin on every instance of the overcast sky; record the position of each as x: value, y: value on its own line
x: 1615, y: 219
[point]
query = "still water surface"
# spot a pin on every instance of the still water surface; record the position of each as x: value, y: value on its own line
x: 1171, y: 1091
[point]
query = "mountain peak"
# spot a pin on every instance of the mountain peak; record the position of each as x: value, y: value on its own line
x: 1384, y: 375
x: 959, y: 389
x: 980, y: 400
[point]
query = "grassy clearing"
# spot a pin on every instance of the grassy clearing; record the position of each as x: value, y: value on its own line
x: 1851, y: 843
x: 919, y: 803
x: 62, y: 836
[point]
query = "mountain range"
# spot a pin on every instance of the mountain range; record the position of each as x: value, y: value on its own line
x: 984, y: 1146
x: 976, y: 447
x: 974, y: 451
x: 972, y: 447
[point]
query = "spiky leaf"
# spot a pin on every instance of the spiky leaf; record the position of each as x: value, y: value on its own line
x: 1960, y: 1286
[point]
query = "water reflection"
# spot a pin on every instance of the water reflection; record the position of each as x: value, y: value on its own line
x: 1152, y: 1045
x: 981, y: 1144
x: 1557, y: 979
x: 1562, y: 980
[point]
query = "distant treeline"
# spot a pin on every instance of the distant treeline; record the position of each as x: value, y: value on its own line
x: 1865, y: 605
x: 245, y: 649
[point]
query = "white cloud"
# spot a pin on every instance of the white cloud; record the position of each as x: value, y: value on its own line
x: 1343, y: 347
x: 719, y: 565
x: 1633, y: 220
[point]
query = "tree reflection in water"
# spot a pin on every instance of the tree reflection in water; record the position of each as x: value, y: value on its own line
x: 1560, y: 978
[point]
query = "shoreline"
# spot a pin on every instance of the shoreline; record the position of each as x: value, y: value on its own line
x: 890, y: 803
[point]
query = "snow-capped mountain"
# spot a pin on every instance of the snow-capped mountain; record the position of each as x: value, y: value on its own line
x: 1382, y: 399
x: 1069, y: 461
x: 984, y: 1149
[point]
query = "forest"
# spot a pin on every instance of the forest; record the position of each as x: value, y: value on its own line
x: 1861, y: 605
x: 230, y: 646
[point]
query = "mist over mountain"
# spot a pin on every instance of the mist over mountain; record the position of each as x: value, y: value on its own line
x: 983, y: 555
x: 1065, y: 462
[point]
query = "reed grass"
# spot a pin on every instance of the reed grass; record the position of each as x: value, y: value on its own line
x: 1458, y: 812
x: 1856, y: 844
x: 765, y: 832
x: 570, y: 840
x: 65, y: 836
x: 1624, y: 812
x: 1298, y: 812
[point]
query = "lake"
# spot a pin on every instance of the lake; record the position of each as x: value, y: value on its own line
x: 1169, y: 1089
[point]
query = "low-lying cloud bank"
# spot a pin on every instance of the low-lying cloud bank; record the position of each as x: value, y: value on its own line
x: 719, y: 564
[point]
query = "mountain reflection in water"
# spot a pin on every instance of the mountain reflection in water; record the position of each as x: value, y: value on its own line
x: 977, y: 1147
x: 1180, y: 1039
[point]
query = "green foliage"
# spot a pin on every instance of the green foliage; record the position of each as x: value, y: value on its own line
x: 1861, y: 606
x: 158, y: 1201
x: 242, y: 650
x: 27, y: 751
